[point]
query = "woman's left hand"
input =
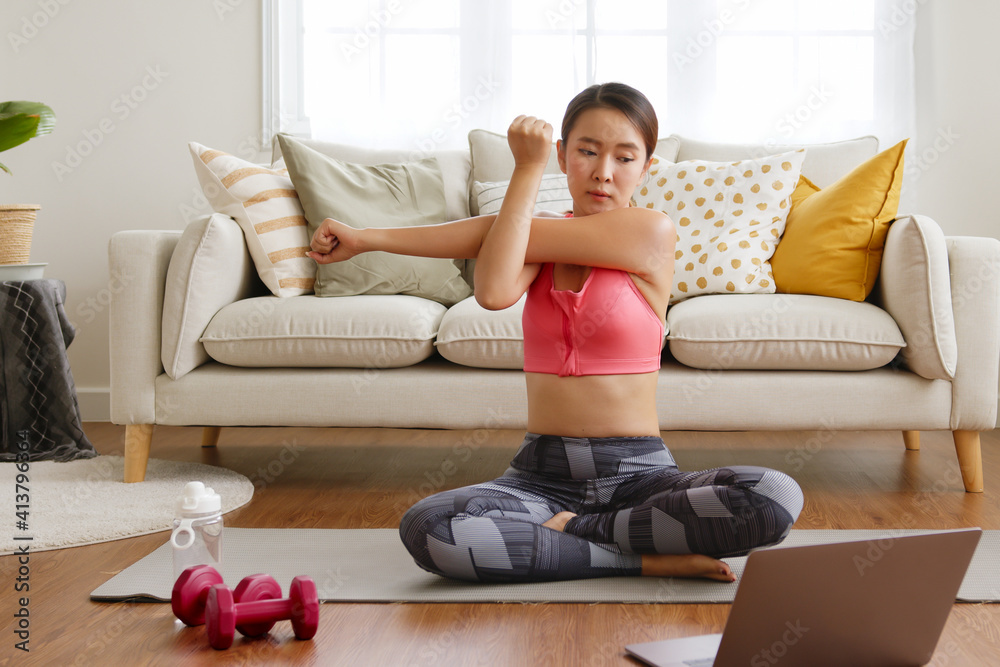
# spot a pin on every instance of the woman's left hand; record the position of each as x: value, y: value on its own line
x: 334, y: 242
x: 530, y: 140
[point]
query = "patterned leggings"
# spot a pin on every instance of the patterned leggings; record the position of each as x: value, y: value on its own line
x: 630, y: 499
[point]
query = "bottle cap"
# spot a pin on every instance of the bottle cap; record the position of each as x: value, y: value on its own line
x: 198, y: 499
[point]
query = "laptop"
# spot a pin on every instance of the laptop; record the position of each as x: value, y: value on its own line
x: 864, y: 603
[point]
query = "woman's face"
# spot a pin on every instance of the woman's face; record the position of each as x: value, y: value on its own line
x: 604, y: 159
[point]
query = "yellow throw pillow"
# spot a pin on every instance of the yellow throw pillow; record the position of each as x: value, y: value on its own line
x: 833, y: 240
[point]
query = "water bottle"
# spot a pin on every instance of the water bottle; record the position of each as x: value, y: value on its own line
x: 197, y: 528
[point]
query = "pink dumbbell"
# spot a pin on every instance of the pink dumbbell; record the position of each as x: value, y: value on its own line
x: 225, y: 613
x: 190, y: 592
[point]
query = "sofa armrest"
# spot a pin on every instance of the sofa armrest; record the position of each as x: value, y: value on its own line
x: 139, y: 259
x: 914, y: 287
x: 975, y: 295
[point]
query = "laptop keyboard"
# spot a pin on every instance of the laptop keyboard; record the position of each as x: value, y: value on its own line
x: 700, y: 662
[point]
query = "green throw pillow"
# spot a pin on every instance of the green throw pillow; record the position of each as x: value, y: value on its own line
x: 385, y: 195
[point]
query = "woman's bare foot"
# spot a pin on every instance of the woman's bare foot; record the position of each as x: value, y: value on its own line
x: 667, y: 565
x: 559, y: 521
x: 686, y: 565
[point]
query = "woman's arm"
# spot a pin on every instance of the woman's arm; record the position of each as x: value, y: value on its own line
x: 502, y: 275
x: 637, y: 240
x: 335, y: 241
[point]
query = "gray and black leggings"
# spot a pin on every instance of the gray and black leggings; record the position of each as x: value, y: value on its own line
x: 630, y: 499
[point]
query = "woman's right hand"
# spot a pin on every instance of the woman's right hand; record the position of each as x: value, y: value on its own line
x: 530, y: 141
x: 334, y: 242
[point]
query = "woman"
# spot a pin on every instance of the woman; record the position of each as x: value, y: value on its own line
x: 593, y: 490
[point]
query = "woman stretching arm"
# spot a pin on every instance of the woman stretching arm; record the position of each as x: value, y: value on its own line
x: 592, y: 491
x: 501, y: 273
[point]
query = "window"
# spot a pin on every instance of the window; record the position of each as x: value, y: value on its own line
x: 422, y: 73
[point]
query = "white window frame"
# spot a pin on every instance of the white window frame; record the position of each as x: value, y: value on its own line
x: 283, y: 85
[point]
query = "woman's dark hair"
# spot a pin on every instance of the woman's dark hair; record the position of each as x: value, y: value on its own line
x: 620, y: 97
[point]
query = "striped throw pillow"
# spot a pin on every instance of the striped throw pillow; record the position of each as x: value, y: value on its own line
x: 264, y: 203
x: 553, y: 195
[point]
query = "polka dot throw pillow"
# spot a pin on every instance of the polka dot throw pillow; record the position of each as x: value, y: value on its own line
x: 729, y: 218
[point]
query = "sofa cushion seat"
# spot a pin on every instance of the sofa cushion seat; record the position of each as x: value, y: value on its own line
x: 471, y: 335
x: 365, y: 331
x: 781, y: 332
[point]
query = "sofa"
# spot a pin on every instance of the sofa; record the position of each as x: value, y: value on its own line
x: 198, y: 336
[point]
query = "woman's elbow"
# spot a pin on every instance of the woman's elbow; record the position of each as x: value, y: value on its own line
x: 492, y: 299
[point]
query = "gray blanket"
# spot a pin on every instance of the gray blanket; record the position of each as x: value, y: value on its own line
x: 38, y: 405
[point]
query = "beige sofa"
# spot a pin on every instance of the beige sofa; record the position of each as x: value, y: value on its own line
x: 921, y: 354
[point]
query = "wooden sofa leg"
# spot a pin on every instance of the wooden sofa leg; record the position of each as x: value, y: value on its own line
x: 138, y: 438
x: 210, y: 436
x: 912, y: 440
x: 970, y: 459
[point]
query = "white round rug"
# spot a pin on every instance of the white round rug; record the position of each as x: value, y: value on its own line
x: 86, y: 502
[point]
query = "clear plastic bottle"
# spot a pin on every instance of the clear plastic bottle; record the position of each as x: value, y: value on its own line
x: 197, y: 528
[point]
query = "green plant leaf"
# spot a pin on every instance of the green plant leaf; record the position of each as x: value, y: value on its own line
x: 46, y: 117
x: 15, y: 130
x: 4, y: 167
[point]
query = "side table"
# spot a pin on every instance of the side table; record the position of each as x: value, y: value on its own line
x: 38, y: 402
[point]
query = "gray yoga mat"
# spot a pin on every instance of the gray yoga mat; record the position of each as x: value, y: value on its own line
x: 372, y: 566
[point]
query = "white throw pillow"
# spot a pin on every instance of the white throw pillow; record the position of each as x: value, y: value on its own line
x: 470, y: 335
x: 210, y: 267
x: 492, y: 160
x: 782, y: 332
x: 729, y: 217
x: 823, y: 165
x: 915, y: 287
x: 264, y: 203
x: 363, y: 331
x: 553, y: 195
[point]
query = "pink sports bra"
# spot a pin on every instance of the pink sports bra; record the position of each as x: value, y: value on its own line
x: 607, y: 328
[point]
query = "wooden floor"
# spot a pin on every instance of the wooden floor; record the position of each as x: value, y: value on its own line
x: 366, y: 478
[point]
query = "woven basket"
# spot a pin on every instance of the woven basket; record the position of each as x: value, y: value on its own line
x: 16, y: 224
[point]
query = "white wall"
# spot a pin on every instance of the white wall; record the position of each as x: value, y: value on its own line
x: 958, y: 107
x: 190, y: 70
x: 131, y: 83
